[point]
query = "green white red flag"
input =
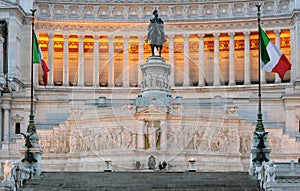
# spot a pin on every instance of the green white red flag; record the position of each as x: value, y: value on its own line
x: 39, y: 59
x: 273, y: 60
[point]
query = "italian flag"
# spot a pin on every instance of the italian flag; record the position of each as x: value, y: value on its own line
x: 39, y: 59
x: 271, y: 56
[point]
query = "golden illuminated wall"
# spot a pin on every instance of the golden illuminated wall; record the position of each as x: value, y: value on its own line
x: 133, y: 57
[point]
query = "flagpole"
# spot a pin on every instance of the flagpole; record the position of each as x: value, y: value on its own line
x: 259, y: 124
x: 31, y: 127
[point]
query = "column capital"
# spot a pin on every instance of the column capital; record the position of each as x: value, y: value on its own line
x: 231, y: 34
x: 246, y: 33
x: 80, y: 37
x: 125, y: 36
x: 66, y: 36
x: 216, y: 34
x: 201, y: 35
x: 96, y: 37
x: 110, y: 36
x: 140, y: 37
x: 277, y: 31
x: 51, y: 35
x: 171, y: 36
x: 185, y: 35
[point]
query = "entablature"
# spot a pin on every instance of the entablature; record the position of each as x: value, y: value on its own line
x: 170, y: 28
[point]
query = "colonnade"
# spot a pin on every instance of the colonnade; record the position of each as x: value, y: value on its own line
x: 217, y: 76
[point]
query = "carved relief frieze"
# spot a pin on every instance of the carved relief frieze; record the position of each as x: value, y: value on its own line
x: 181, y: 10
x: 203, y: 139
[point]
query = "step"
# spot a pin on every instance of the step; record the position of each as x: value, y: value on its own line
x: 157, y: 181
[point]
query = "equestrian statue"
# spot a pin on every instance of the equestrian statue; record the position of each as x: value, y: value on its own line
x: 156, y: 33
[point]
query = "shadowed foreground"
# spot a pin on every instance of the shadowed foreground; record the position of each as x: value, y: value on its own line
x: 141, y: 181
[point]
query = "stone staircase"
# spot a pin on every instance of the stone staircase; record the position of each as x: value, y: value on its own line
x: 141, y: 181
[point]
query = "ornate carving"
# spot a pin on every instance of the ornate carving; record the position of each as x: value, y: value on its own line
x: 182, y: 9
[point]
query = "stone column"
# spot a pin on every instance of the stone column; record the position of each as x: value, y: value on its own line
x: 6, y: 105
x: 171, y: 58
x: 126, y: 62
x: 152, y: 137
x: 141, y: 136
x: 12, y: 27
x: 277, y: 41
x: 201, y: 81
x: 66, y: 60
x: 296, y: 35
x: 163, y: 137
x: 1, y: 57
x: 80, y: 60
x: 246, y: 58
x: 293, y: 55
x: 96, y: 61
x: 141, y: 57
x: 111, y: 77
x: 216, y: 60
x: 186, y: 60
x: 231, y: 59
x: 50, y: 57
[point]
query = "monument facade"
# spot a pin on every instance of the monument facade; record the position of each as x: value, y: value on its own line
x: 112, y: 97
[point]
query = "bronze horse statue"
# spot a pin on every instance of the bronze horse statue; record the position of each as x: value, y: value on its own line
x: 156, y: 33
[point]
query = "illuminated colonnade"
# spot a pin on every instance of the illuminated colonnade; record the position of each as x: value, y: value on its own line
x: 114, y: 59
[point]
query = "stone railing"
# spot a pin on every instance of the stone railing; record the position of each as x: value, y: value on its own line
x: 14, y: 175
x: 169, y: 10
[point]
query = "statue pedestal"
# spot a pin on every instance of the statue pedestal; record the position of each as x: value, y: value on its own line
x: 155, y: 85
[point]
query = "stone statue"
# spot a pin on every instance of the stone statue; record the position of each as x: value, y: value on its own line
x: 270, y: 171
x: 151, y: 162
x: 7, y: 171
x: 156, y: 33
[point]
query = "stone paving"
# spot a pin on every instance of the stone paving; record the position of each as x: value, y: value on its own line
x: 141, y: 181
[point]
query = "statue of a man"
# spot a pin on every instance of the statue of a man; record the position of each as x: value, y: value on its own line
x: 156, y: 33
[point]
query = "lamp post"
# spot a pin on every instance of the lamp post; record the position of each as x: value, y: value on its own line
x: 33, y: 152
x: 260, y: 150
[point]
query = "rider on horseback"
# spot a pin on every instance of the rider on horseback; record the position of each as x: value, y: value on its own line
x: 156, y: 33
